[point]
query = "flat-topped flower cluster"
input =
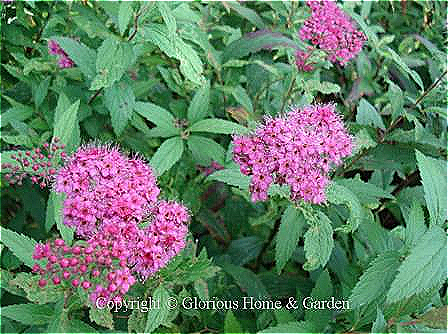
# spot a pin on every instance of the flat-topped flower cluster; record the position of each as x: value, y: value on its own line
x: 112, y: 202
x: 297, y: 149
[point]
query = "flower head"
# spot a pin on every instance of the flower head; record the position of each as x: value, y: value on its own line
x: 297, y: 149
x: 332, y: 31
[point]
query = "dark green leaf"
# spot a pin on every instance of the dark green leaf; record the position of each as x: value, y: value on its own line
x: 167, y: 155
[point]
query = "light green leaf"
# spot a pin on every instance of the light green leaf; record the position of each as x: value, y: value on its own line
x: 102, y: 317
x: 205, y: 150
x: 66, y: 126
x: 323, y: 87
x: 231, y: 323
x: 167, y: 155
x: 240, y: 94
x: 158, y: 316
x: 291, y: 228
x: 415, y: 224
x: 318, y: 243
x: 29, y: 314
x: 125, y: 12
x: 113, y: 59
x: 198, y: 108
x: 168, y: 18
x: 367, y: 115
x: 391, y: 54
x: 41, y: 91
x: 423, y: 269
x: 433, y: 174
x: 120, y: 101
x: 247, y: 13
x: 21, y: 245
x: 376, y: 280
x: 231, y: 176
x: 159, y: 116
x: 323, y: 290
x: 290, y: 327
x: 217, y: 125
x: 82, y: 56
x: 380, y: 325
x: 56, y: 203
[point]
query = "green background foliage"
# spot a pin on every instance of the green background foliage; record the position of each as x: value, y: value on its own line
x: 172, y: 81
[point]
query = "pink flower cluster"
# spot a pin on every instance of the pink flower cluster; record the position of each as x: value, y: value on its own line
x: 37, y: 164
x: 64, y: 60
x: 101, y: 185
x: 112, y: 200
x: 297, y: 149
x: 332, y: 31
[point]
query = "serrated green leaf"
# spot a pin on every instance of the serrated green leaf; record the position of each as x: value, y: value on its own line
x: 28, y: 314
x: 379, y: 325
x: 368, y: 115
x: 433, y: 174
x: 290, y: 327
x: 198, y: 108
x: 323, y: 290
x: 112, y: 61
x: 231, y: 323
x: 339, y: 194
x: 376, y: 280
x: 423, y: 269
x: 318, y: 243
x: 415, y: 224
x: 29, y: 283
x: 217, y: 125
x: 247, y: 13
x: 232, y: 177
x: 205, y: 150
x: 102, y: 317
x: 67, y: 233
x: 289, y: 233
x: 120, y: 101
x: 240, y: 95
x: 125, y: 12
x: 323, y: 87
x: 247, y: 280
x: 82, y: 56
x: 368, y: 194
x: 167, y: 155
x: 21, y: 245
x: 159, y: 116
x: 66, y: 126
x: 41, y: 91
x: 158, y: 316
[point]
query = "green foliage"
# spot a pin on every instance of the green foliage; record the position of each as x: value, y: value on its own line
x: 21, y: 245
x: 318, y: 242
x: 29, y: 314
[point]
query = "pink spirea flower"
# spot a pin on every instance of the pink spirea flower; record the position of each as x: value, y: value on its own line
x: 64, y: 60
x: 333, y: 31
x: 297, y: 149
x: 102, y: 184
x: 301, y: 61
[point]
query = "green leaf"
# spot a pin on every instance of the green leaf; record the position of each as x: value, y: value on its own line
x: 82, y: 56
x: 167, y: 155
x: 255, y: 41
x: 368, y: 194
x: 376, y: 280
x: 205, y: 150
x: 159, y: 116
x: 113, y: 59
x: 291, y: 228
x: 290, y: 327
x: 28, y: 314
x: 323, y: 290
x: 434, y: 318
x: 125, y: 12
x: 158, y: 316
x: 41, y: 91
x: 367, y: 115
x: 380, y: 325
x: 433, y: 174
x: 339, y: 194
x: 415, y: 224
x: 102, y: 317
x: 318, y: 243
x: 168, y: 18
x: 231, y: 323
x: 198, y: 108
x: 247, y: 13
x: 66, y: 126
x: 323, y: 87
x: 57, y: 201
x: 21, y: 245
x: 396, y: 97
x: 217, y: 125
x: 240, y: 95
x: 231, y: 176
x: 120, y: 101
x: 247, y: 280
x: 423, y: 269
